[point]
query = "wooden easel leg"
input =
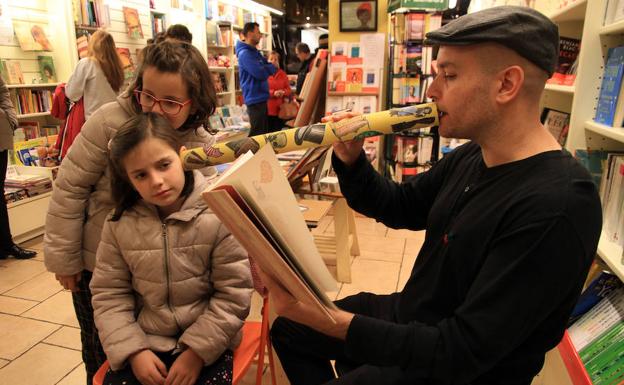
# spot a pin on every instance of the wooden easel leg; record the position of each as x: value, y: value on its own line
x: 341, y: 230
x: 355, y: 245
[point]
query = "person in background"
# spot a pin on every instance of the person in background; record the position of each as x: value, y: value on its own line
x: 173, y: 80
x: 278, y: 89
x: 305, y: 57
x: 8, y: 124
x: 254, y: 71
x: 512, y: 225
x: 179, y: 32
x: 202, y: 271
x: 98, y: 78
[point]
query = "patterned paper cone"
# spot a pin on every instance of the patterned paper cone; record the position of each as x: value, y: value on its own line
x: 318, y: 134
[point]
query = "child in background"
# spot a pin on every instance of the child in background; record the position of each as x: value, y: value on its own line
x: 171, y: 287
x: 172, y: 80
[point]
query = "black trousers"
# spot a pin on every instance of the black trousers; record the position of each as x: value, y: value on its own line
x: 275, y: 123
x: 92, y: 353
x: 219, y: 373
x: 258, y: 118
x: 305, y: 354
x: 6, y: 240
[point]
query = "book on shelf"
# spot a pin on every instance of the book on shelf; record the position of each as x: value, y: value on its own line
x: 254, y: 200
x: 126, y: 62
x: 598, y: 337
x: 14, y: 73
x: 567, y: 63
x: 32, y: 36
x: 557, y: 123
x: 82, y: 45
x: 610, y: 87
x: 133, y: 23
x: 599, y: 287
x: 46, y: 68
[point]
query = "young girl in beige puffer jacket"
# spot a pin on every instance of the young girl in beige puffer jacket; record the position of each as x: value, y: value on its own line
x: 171, y: 286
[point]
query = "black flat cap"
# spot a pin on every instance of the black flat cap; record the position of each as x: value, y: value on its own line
x: 522, y: 29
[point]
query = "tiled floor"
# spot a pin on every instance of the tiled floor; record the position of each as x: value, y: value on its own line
x: 39, y: 335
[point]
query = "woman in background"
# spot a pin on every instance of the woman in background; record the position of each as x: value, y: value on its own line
x: 98, y: 78
x: 278, y: 89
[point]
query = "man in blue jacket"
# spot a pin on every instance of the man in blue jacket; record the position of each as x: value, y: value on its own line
x: 254, y: 70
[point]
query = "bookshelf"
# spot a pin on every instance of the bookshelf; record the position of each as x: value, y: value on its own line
x: 583, y: 19
x: 223, y: 30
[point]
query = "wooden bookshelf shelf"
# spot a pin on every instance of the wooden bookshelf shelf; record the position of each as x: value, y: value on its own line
x: 33, y: 85
x: 351, y: 93
x: 24, y: 116
x: 611, y: 253
x: 616, y: 28
x: 218, y: 69
x: 572, y: 12
x: 29, y: 200
x: 616, y: 133
x: 87, y: 27
x: 224, y: 93
x: 560, y: 88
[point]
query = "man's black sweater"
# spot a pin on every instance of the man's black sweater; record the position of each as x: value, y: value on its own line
x: 506, y: 252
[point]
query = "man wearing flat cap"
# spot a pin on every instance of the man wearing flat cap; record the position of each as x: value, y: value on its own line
x: 512, y: 225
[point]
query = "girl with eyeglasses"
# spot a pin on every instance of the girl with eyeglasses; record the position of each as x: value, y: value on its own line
x: 172, y: 81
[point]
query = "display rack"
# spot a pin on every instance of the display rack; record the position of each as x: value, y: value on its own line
x: 409, y: 75
x: 583, y: 20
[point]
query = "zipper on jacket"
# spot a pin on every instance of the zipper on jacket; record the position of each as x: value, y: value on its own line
x: 166, y: 261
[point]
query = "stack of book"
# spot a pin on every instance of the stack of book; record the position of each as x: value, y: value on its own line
x: 32, y: 184
x: 598, y: 335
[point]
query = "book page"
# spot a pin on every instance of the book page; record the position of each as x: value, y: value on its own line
x: 262, y: 183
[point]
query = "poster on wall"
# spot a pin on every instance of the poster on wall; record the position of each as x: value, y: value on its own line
x: 6, y: 27
x: 32, y: 36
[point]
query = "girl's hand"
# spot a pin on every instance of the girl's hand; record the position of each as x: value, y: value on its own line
x: 69, y: 282
x: 186, y: 368
x: 148, y: 368
x: 347, y: 152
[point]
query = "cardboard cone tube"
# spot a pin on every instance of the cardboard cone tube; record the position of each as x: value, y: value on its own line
x: 315, y: 135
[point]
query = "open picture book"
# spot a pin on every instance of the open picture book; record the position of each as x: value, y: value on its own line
x: 255, y: 201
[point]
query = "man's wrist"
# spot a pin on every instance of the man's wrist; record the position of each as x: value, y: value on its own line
x: 341, y: 327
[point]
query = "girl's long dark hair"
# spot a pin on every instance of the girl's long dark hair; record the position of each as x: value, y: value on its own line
x: 185, y: 59
x: 132, y: 133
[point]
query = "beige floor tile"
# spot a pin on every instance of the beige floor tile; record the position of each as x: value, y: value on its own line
x: 406, y: 269
x: 371, y: 276
x: 381, y: 256
x: 77, y: 376
x: 42, y: 365
x: 57, y: 309
x: 376, y: 243
x: 3, y: 363
x: 14, y: 272
x: 406, y: 234
x: 15, y: 306
x: 369, y: 226
x: 38, y: 288
x: 412, y: 246
x: 20, y: 334
x: 66, y: 337
x: 33, y: 244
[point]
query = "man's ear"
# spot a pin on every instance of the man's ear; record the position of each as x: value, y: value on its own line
x: 511, y: 80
